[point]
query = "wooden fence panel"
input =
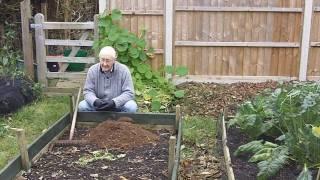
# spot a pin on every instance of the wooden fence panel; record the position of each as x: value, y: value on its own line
x: 227, y: 38
x: 196, y: 25
x: 314, y: 55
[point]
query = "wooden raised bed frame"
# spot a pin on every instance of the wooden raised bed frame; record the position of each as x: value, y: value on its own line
x: 154, y: 120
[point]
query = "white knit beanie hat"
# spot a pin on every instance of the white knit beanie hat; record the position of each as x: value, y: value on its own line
x: 108, y: 52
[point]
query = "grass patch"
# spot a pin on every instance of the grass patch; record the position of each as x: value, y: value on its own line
x: 198, y: 134
x: 34, y: 118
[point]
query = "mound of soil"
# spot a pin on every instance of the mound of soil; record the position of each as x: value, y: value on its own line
x: 14, y: 94
x: 149, y: 161
x: 120, y: 134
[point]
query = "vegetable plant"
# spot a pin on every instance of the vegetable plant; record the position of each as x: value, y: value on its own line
x: 290, y: 116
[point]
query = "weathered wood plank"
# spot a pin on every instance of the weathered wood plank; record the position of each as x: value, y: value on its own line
x: 68, y: 25
x: 143, y: 12
x: 168, y: 31
x: 238, y: 9
x: 73, y: 52
x: 226, y: 153
x: 27, y: 43
x: 66, y: 75
x: 70, y: 59
x: 238, y: 44
x: 305, y: 43
x: 41, y: 50
x: 14, y: 166
x: 58, y: 42
x: 139, y: 118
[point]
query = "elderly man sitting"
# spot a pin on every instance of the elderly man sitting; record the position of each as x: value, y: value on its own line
x: 108, y: 86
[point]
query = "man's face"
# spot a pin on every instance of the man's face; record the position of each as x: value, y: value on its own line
x: 106, y: 63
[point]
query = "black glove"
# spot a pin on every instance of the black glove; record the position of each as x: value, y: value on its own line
x: 97, y: 103
x: 107, y: 105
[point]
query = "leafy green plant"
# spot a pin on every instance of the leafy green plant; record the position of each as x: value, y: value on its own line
x: 269, y: 156
x: 305, y: 174
x: 154, y: 92
x: 8, y: 53
x: 4, y: 129
x: 293, y: 112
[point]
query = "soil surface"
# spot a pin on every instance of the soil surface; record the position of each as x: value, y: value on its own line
x: 244, y: 170
x: 144, y: 159
x: 120, y: 134
x: 209, y: 99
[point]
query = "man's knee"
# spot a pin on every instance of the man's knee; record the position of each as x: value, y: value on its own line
x: 84, y: 106
x: 131, y: 106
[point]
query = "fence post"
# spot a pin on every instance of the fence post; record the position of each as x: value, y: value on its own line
x: 305, y: 40
x: 168, y: 21
x: 27, y: 43
x: 41, y: 49
x: 103, y: 5
x: 96, y: 34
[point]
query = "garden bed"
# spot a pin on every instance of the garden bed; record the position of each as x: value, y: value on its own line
x: 242, y: 169
x: 143, y: 153
x: 133, y: 157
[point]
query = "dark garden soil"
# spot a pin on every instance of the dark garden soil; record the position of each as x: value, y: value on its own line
x: 245, y: 170
x: 126, y: 151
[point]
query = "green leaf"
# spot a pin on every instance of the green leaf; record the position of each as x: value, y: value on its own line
x: 181, y: 71
x: 142, y: 68
x: 143, y: 56
x: 5, y: 60
x: 137, y: 76
x: 179, y: 93
x: 138, y: 93
x: 305, y: 174
x: 135, y: 62
x: 250, y: 147
x: 148, y: 74
x: 134, y: 52
x: 121, y: 47
x: 116, y: 15
x: 169, y: 69
x: 104, y: 22
x: 153, y: 93
x: 141, y: 43
x: 272, y: 165
x: 155, y: 105
x: 123, y: 59
x: 259, y: 157
x: 113, y: 36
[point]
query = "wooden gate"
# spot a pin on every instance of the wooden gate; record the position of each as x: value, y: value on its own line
x: 74, y: 79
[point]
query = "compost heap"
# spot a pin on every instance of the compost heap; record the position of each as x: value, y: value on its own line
x: 120, y: 134
x: 15, y: 92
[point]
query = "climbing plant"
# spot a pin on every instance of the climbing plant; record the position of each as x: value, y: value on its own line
x: 153, y: 91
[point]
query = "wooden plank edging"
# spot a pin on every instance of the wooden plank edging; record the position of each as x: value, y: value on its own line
x: 139, y: 118
x: 15, y: 166
x: 226, y: 153
x: 175, y: 169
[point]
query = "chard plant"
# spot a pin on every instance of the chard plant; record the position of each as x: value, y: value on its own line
x: 289, y: 115
x: 153, y: 91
